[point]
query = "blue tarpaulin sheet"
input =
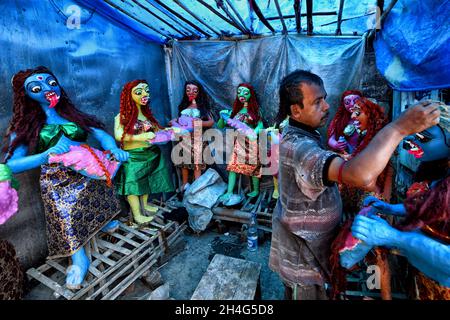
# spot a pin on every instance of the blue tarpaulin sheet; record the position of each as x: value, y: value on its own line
x: 412, y: 48
x: 221, y: 65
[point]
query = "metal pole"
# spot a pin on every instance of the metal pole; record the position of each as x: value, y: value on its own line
x: 218, y: 14
x: 182, y: 18
x: 174, y: 19
x: 383, y: 17
x: 297, y: 10
x: 290, y: 16
x: 159, y: 18
x: 136, y: 19
x: 196, y: 17
x: 260, y: 15
x: 277, y: 4
x: 238, y: 15
x: 221, y: 6
x: 309, y: 12
x: 341, y: 8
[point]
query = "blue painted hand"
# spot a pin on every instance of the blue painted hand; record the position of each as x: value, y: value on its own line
x: 374, y: 231
x: 119, y: 154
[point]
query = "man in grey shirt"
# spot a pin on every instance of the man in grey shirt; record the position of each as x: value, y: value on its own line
x: 309, y: 208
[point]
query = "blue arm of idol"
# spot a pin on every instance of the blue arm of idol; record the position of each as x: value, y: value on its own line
x: 20, y: 162
x: 428, y: 255
x: 108, y: 143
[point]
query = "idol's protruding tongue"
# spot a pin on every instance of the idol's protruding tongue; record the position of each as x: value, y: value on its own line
x: 52, y: 97
x: 242, y: 99
x: 191, y: 97
x: 413, y: 149
x: 144, y: 100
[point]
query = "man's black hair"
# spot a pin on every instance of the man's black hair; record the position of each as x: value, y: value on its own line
x: 290, y: 92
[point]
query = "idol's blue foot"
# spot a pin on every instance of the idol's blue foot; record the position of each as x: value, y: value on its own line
x: 111, y: 226
x: 78, y: 270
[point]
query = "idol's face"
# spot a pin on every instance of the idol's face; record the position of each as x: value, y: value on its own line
x: 43, y: 88
x: 429, y: 145
x: 141, y: 94
x: 349, y: 101
x: 191, y: 91
x: 243, y: 94
x: 359, y: 117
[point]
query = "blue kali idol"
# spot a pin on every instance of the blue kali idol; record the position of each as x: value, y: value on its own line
x: 45, y: 123
x: 423, y: 235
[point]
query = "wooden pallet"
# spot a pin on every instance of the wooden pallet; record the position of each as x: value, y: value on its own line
x: 117, y: 260
x: 262, y: 206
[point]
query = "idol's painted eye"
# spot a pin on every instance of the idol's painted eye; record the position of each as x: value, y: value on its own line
x: 138, y: 92
x: 36, y: 89
x: 53, y: 82
x: 422, y: 138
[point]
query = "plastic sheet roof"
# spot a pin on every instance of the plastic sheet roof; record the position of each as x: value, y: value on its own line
x: 165, y: 20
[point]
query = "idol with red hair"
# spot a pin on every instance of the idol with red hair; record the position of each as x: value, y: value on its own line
x: 342, y: 136
x: 245, y: 117
x: 146, y: 171
x: 367, y: 119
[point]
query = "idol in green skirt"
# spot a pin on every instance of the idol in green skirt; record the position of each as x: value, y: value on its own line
x: 146, y: 170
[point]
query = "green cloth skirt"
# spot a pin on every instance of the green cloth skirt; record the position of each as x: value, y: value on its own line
x: 145, y: 172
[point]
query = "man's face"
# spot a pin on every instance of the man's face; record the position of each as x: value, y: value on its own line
x: 315, y: 110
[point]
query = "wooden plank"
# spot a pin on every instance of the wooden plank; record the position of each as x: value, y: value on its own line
x: 248, y: 272
x: 127, y: 240
x: 124, y: 284
x: 95, y: 271
x: 269, y: 215
x: 133, y: 231
x: 111, y: 252
x: 66, y: 293
x: 104, y: 259
x: 232, y: 219
x: 232, y: 213
x: 116, y: 276
x: 56, y: 266
x: 114, y: 247
x: 44, y: 268
x: 259, y: 201
x: 228, y: 278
